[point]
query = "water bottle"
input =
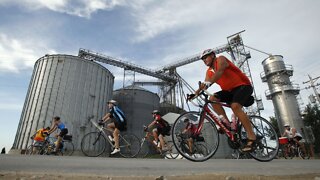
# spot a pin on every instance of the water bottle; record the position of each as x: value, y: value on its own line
x: 234, y: 122
x: 225, y: 121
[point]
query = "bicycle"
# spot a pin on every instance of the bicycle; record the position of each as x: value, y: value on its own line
x: 292, y: 149
x: 93, y: 144
x: 207, y: 121
x: 35, y: 147
x: 48, y: 146
x: 198, y: 148
x: 147, y: 147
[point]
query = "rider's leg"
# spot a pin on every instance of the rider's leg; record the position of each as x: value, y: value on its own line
x: 162, y: 142
x: 155, y: 135
x: 218, y: 108
x: 58, y: 143
x: 116, y: 133
x: 244, y: 119
x: 190, y: 142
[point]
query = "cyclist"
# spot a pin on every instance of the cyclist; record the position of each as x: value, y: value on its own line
x: 236, y: 90
x: 39, y: 137
x: 189, y: 132
x: 117, y: 123
x: 58, y: 124
x: 294, y: 136
x: 162, y: 128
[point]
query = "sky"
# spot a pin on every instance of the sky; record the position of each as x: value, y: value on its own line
x: 152, y: 33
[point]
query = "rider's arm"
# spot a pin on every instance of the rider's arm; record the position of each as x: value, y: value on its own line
x: 52, y: 129
x: 222, y: 64
x: 106, y: 117
x: 152, y: 123
x: 284, y: 134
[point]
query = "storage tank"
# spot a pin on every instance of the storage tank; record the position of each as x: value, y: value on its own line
x: 137, y: 103
x: 282, y: 92
x: 66, y: 86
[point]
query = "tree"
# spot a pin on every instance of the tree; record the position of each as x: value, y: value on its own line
x: 274, y: 123
x: 312, y: 118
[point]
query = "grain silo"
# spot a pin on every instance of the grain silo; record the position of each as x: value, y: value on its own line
x: 137, y: 103
x: 66, y: 86
x: 281, y: 91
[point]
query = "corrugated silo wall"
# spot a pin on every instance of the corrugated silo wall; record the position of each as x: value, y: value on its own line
x: 137, y: 105
x: 65, y: 86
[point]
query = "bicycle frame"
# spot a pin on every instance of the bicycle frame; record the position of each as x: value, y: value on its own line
x: 206, y: 111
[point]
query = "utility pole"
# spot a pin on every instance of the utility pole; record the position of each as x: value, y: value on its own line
x: 313, y: 86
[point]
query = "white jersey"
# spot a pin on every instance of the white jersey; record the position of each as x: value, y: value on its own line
x: 290, y: 134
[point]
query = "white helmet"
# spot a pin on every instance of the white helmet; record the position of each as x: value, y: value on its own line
x: 206, y: 52
x: 286, y: 125
x: 112, y: 102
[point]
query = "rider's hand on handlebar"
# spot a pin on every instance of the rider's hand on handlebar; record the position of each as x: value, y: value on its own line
x: 145, y: 128
x: 190, y: 96
x: 100, y: 122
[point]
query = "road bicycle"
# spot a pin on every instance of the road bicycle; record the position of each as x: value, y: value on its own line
x: 93, y: 144
x: 148, y: 147
x: 265, y: 148
x: 291, y: 149
x: 48, y: 146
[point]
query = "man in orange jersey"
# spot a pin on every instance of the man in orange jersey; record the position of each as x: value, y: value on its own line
x: 236, y: 90
x: 39, y: 138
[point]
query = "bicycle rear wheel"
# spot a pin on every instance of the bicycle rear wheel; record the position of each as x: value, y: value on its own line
x: 67, y: 148
x: 93, y: 144
x: 267, y: 145
x: 209, y: 135
x: 129, y: 145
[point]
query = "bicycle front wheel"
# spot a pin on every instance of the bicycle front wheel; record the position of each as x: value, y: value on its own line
x: 129, y: 145
x: 172, y: 152
x: 208, y: 137
x: 93, y: 144
x: 267, y: 139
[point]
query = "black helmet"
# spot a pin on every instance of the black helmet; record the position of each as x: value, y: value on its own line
x: 155, y: 112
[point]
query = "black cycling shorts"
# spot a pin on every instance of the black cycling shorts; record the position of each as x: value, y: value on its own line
x: 63, y: 132
x: 240, y: 94
x: 120, y: 126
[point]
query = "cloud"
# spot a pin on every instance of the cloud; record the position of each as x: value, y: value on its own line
x: 17, y: 54
x: 81, y: 8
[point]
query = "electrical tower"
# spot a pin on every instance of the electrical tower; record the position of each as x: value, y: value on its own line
x: 313, y: 86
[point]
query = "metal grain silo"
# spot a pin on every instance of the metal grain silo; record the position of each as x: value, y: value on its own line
x: 66, y: 86
x: 137, y: 104
x: 281, y: 91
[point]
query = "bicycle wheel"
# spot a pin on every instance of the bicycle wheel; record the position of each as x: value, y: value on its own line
x: 129, y: 145
x: 29, y: 150
x: 93, y: 144
x: 209, y: 133
x: 67, y: 148
x: 172, y: 152
x: 267, y: 145
x: 303, y: 154
x: 144, y: 148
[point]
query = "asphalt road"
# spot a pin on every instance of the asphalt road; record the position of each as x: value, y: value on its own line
x: 113, y: 167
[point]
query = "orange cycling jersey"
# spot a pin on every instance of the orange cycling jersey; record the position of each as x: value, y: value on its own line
x: 231, y: 78
x: 40, y: 135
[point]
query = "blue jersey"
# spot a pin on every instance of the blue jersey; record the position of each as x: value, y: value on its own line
x: 117, y: 114
x: 61, y: 126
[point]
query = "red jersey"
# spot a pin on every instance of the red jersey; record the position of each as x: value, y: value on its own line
x: 231, y: 78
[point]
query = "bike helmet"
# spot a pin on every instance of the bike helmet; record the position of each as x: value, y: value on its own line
x: 155, y: 112
x: 206, y: 53
x: 112, y: 102
x: 286, y: 125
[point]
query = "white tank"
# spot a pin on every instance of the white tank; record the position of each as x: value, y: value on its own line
x: 65, y: 86
x: 281, y: 91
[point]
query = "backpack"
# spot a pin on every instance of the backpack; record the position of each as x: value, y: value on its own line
x: 167, y: 127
